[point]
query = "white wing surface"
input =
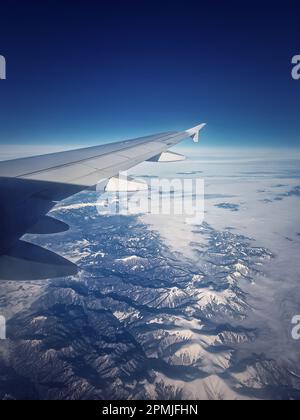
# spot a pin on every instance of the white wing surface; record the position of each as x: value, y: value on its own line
x: 30, y: 187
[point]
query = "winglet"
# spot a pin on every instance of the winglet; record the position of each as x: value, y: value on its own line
x: 194, y: 132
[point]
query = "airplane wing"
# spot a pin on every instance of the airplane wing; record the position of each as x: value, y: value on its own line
x: 30, y: 187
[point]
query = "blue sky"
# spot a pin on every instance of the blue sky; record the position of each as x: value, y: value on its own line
x: 85, y: 72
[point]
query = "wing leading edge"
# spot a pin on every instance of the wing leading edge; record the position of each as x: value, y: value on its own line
x: 84, y: 167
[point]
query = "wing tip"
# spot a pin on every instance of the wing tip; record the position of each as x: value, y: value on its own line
x: 194, y: 132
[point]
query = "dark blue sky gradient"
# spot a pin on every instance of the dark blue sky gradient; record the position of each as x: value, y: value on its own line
x: 88, y: 71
